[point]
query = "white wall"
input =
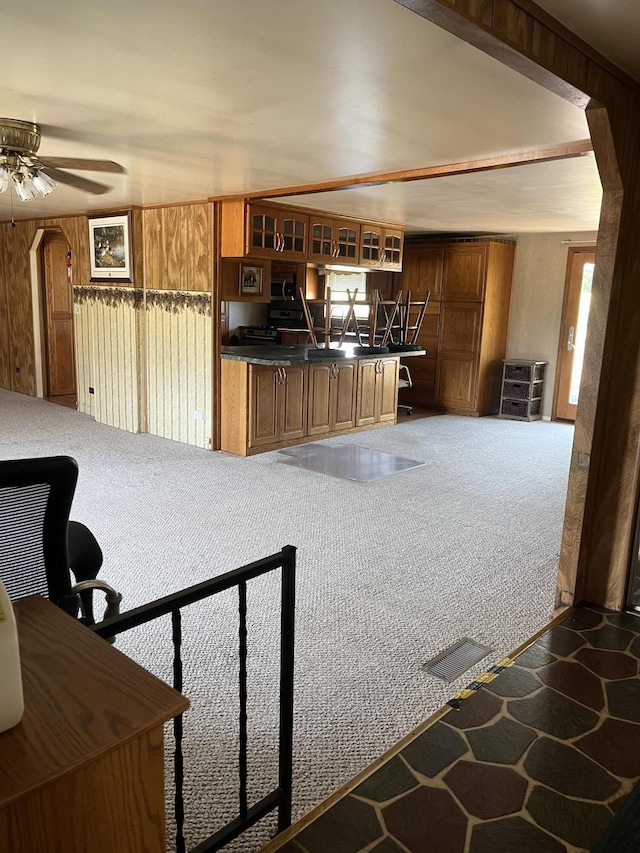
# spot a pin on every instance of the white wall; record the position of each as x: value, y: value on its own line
x: 536, y: 300
x: 246, y: 314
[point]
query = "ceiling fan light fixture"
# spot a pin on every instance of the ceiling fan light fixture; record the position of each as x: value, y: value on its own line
x: 23, y: 186
x: 19, y: 141
x: 42, y: 182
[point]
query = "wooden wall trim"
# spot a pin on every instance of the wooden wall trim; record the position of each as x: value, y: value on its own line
x: 522, y: 158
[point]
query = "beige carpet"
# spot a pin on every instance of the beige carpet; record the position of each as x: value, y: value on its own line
x: 389, y: 573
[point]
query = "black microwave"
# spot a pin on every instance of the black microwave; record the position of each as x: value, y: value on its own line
x: 283, y: 286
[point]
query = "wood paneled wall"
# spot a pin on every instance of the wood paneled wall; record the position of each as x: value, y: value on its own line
x: 17, y: 355
x: 173, y: 251
x: 17, y: 345
x: 602, y: 501
x: 178, y: 247
x: 179, y: 361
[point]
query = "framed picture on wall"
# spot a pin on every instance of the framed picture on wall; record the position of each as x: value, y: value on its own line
x: 110, y: 247
x: 250, y: 279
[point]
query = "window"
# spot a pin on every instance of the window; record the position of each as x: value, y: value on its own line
x: 340, y: 284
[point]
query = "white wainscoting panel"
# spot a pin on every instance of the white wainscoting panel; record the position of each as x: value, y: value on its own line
x: 109, y: 348
x: 179, y: 367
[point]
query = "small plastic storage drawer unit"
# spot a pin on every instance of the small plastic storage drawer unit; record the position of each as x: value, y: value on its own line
x: 522, y: 385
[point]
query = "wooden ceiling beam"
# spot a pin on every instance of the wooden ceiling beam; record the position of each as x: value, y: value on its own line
x: 503, y: 161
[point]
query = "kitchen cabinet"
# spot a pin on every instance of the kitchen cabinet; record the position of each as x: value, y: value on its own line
x: 263, y: 231
x: 422, y: 272
x: 333, y: 240
x: 381, y: 247
x: 266, y: 407
x: 332, y: 397
x: 465, y: 328
x: 458, y: 345
x: 464, y: 273
x: 277, y: 406
x: 275, y: 232
x: 377, y: 393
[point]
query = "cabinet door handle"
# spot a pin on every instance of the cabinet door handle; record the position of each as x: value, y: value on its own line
x: 570, y: 344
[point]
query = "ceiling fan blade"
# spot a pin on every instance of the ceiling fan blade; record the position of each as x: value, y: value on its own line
x: 76, y: 181
x: 78, y: 163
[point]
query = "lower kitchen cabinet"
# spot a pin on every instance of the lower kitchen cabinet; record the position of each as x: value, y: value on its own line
x: 458, y: 345
x: 377, y: 395
x: 277, y: 410
x: 332, y: 397
x: 265, y: 407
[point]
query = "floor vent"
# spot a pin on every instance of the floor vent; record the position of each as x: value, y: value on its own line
x: 456, y: 659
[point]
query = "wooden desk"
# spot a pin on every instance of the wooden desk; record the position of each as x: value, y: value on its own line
x: 84, y: 769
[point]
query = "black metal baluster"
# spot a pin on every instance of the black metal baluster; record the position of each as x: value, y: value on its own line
x: 242, y: 689
x: 178, y: 761
x: 280, y: 797
x: 287, y: 623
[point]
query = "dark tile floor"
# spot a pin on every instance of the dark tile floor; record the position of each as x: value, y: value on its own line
x: 536, y: 760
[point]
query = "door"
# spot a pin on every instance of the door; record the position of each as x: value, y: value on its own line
x: 422, y: 268
x: 58, y: 304
x: 387, y: 389
x: 458, y: 348
x: 367, y: 370
x: 343, y: 395
x: 263, y: 405
x: 319, y: 417
x: 292, y: 402
x: 573, y: 331
x: 464, y: 272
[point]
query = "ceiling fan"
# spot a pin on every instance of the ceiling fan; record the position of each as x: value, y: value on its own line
x: 31, y: 175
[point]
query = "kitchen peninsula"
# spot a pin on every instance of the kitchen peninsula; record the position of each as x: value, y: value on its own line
x: 277, y: 396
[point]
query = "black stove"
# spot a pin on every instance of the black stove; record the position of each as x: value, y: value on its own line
x: 260, y: 334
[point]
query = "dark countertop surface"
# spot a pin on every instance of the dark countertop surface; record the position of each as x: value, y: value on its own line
x: 278, y: 354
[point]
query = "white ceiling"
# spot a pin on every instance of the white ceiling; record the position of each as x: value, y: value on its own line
x: 198, y: 98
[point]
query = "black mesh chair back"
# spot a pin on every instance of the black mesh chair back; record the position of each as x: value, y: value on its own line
x: 39, y: 545
x: 35, y: 502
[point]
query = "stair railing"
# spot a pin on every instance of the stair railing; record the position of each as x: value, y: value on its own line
x: 280, y: 797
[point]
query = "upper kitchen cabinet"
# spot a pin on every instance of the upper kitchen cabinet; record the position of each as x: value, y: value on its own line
x: 381, y: 247
x: 422, y: 270
x: 262, y: 231
x: 265, y: 230
x: 464, y: 273
x: 333, y: 240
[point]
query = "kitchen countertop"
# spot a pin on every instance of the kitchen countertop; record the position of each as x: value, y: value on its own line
x: 277, y: 354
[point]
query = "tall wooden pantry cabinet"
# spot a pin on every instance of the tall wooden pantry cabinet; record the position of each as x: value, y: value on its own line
x: 465, y: 328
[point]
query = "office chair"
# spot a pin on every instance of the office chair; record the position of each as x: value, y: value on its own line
x: 39, y: 546
x: 404, y: 382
